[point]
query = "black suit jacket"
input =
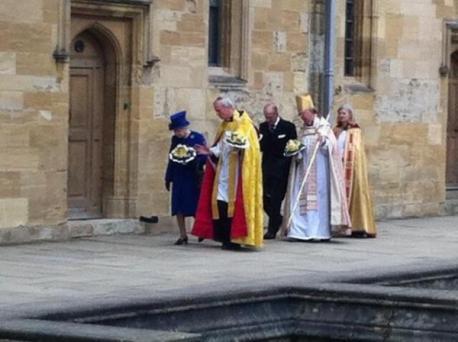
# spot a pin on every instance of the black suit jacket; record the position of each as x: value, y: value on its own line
x: 274, y: 163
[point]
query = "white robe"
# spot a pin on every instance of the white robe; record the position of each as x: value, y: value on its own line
x: 222, y: 150
x: 331, y: 208
x: 341, y: 142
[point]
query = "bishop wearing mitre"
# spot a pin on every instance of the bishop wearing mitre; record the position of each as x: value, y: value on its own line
x: 316, y: 201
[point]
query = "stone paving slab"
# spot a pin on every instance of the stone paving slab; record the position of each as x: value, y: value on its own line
x: 44, y: 276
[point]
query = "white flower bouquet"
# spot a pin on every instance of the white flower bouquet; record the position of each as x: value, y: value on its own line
x: 182, y: 154
x: 293, y: 147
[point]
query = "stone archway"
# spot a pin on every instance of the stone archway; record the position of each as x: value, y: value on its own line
x: 91, y: 125
x: 123, y: 32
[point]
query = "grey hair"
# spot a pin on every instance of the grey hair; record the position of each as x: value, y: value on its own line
x: 271, y: 105
x: 346, y: 106
x: 225, y: 102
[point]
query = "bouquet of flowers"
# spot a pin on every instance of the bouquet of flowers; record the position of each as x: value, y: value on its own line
x: 182, y: 154
x: 293, y: 147
x: 237, y: 140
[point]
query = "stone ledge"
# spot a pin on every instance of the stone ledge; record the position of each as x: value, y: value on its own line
x: 86, y: 228
x: 326, y: 311
x: 31, y: 329
x: 227, y: 83
x: 358, y: 88
x: 127, y: 2
x: 451, y: 207
x: 27, y: 234
x: 69, y: 230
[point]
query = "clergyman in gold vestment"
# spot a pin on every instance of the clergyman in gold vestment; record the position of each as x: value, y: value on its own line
x: 230, y: 204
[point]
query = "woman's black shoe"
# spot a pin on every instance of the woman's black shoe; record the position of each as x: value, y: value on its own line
x: 200, y: 239
x: 181, y: 241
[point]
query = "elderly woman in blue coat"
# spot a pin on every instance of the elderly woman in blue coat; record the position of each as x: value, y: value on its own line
x: 184, y: 171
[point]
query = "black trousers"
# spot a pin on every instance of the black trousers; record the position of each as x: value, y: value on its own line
x: 274, y: 193
x: 222, y: 226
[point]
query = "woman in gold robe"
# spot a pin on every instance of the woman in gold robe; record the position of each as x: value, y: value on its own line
x: 351, y: 147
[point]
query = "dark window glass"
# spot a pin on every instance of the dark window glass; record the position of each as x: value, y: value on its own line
x: 350, y: 38
x: 214, y: 28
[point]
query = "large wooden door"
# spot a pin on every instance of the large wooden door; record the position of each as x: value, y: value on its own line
x: 85, y: 129
x: 452, y: 126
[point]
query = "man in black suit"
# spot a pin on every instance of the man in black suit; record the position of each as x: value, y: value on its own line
x: 274, y: 134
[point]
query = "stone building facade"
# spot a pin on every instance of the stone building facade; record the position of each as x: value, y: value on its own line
x: 86, y: 88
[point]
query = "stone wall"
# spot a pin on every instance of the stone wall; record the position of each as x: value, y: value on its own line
x: 33, y: 116
x: 399, y: 106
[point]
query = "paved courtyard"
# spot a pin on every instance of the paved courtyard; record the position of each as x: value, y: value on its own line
x: 117, y: 268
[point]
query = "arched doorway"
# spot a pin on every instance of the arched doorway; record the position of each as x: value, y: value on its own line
x: 91, y: 125
x: 452, y: 126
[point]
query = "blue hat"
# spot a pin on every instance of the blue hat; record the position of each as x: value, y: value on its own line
x: 178, y: 120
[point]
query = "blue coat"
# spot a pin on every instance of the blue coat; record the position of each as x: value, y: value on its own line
x: 185, y: 179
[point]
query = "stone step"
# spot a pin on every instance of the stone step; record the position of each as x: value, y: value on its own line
x: 85, y: 228
x: 451, y: 207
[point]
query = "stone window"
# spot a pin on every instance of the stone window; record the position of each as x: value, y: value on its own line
x: 350, y: 38
x: 227, y: 40
x: 357, y: 49
x: 216, y: 32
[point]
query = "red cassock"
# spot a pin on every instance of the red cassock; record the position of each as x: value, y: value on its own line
x: 203, y: 224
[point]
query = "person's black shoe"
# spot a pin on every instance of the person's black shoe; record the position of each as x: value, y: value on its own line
x: 200, y: 239
x: 230, y: 246
x: 360, y: 235
x: 269, y: 236
x: 150, y: 219
x: 181, y: 241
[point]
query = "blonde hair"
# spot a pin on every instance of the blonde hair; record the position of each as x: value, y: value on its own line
x: 349, y: 109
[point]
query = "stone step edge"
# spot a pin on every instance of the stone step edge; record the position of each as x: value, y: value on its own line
x: 82, y: 228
